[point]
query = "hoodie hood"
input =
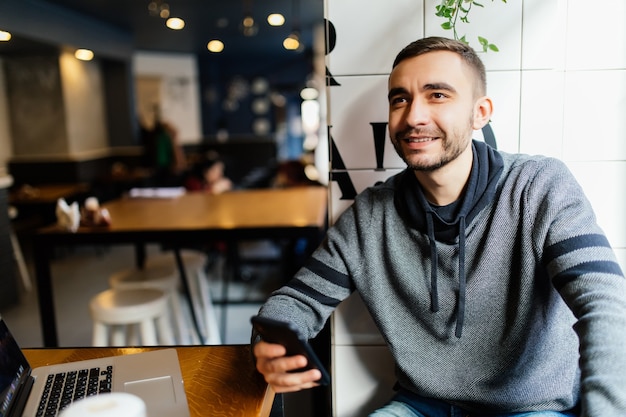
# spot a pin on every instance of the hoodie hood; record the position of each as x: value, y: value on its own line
x: 487, y: 166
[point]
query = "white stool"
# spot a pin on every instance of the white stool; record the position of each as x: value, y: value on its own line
x: 161, y: 276
x: 202, y: 303
x: 116, y: 311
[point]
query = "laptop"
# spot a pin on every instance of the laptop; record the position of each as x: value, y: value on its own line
x: 154, y: 376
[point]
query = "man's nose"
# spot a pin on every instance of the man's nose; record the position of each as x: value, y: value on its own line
x: 417, y: 113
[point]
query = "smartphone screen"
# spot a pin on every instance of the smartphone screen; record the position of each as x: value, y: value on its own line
x: 286, y: 334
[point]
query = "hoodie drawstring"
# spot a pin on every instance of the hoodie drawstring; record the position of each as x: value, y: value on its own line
x: 460, y: 312
x: 434, y: 295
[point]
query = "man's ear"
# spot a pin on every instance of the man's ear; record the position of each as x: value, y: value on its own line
x: 483, y: 109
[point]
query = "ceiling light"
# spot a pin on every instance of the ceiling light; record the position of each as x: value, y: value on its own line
x: 84, y: 54
x: 153, y: 8
x: 292, y: 42
x: 309, y: 93
x: 276, y: 19
x: 215, y: 46
x: 4, y: 36
x: 248, y: 22
x: 175, y: 23
x: 248, y: 26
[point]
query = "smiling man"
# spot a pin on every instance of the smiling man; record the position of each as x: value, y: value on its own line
x: 486, y: 272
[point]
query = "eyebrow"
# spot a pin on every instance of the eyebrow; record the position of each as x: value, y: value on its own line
x: 439, y: 86
x: 396, y: 91
x: 427, y: 87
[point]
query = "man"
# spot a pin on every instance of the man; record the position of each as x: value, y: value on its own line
x: 486, y: 273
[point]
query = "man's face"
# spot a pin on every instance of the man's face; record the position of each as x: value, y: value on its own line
x: 432, y: 104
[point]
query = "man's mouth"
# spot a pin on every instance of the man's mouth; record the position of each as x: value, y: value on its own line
x: 418, y: 140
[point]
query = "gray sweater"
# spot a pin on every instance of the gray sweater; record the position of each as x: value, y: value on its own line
x: 514, y: 303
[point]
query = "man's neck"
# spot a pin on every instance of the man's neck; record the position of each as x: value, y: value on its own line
x: 446, y: 184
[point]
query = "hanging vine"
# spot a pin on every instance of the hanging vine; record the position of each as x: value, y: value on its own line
x: 454, y: 11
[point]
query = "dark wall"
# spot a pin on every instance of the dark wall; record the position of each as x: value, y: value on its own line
x: 35, y: 99
x: 216, y: 77
x: 9, y: 294
x: 122, y: 124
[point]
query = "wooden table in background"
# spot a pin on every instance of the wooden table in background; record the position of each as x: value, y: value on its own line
x: 193, y: 218
x: 219, y: 380
x: 47, y: 193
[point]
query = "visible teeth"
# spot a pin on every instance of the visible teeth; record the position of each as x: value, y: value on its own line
x: 418, y: 140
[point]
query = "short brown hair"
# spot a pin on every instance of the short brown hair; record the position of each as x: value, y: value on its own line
x: 434, y: 43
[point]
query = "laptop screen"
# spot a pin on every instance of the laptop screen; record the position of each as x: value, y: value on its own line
x: 13, y: 368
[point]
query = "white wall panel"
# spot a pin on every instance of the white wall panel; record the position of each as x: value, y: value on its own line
x: 543, y: 34
x: 362, y: 388
x: 353, y: 324
x: 603, y: 183
x: 541, y: 113
x: 504, y: 88
x: 356, y: 103
x: 370, y: 34
x: 594, y: 109
x: 596, y: 34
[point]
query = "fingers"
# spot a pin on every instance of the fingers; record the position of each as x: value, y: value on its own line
x: 291, y: 382
x: 278, y: 368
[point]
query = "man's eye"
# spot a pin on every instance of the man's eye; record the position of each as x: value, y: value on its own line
x: 438, y: 95
x: 397, y: 100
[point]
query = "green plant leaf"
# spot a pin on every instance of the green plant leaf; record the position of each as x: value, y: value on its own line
x: 454, y: 11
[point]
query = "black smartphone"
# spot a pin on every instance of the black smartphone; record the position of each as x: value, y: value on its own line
x: 286, y: 334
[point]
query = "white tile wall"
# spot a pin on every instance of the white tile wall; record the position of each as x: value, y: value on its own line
x: 357, y: 102
x: 596, y: 34
x: 372, y: 387
x: 594, y: 109
x: 370, y: 34
x: 543, y: 34
x: 352, y: 325
x: 541, y: 113
x: 504, y: 89
x: 603, y: 182
x: 559, y: 89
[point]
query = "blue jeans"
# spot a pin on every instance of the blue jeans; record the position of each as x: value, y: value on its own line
x: 403, y: 405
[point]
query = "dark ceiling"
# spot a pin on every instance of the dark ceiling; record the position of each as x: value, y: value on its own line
x: 206, y: 20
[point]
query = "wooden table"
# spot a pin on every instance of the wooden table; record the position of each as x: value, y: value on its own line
x: 178, y: 222
x: 219, y: 380
x: 46, y: 193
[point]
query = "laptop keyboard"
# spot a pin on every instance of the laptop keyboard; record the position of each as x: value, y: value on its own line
x: 66, y: 387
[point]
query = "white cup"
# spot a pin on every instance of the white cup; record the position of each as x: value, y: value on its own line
x: 118, y: 404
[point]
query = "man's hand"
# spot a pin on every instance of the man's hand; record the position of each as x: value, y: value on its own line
x: 275, y: 367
